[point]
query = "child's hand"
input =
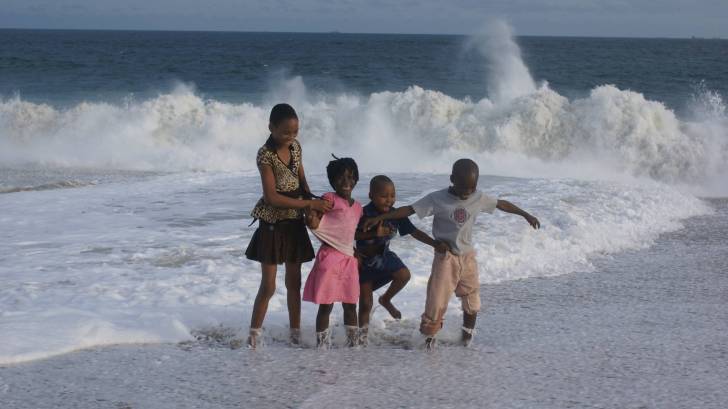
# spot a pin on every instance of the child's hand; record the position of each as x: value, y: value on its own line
x: 312, y: 218
x: 532, y: 221
x: 321, y: 206
x: 369, y: 223
x: 442, y: 247
x: 383, y: 230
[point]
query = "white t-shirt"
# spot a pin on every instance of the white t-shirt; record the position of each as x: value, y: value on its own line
x: 454, y: 217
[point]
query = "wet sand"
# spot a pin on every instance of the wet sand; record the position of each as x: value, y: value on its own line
x: 647, y: 329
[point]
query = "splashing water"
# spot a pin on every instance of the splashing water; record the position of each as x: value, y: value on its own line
x: 520, y: 130
x: 508, y: 77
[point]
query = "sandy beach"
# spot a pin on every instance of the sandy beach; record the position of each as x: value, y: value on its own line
x: 618, y: 337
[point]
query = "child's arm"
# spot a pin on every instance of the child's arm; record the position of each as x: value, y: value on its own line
x: 303, y: 182
x: 382, y: 230
x: 509, y: 207
x: 400, y: 213
x: 439, y: 246
x: 275, y: 199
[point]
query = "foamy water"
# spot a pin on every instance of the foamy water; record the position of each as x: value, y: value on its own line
x: 155, y: 260
x: 610, y: 133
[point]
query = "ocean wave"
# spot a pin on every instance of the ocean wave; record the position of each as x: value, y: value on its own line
x: 62, y: 184
x: 522, y: 129
x: 618, y: 129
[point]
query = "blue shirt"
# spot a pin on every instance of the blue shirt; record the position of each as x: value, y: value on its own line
x: 403, y: 226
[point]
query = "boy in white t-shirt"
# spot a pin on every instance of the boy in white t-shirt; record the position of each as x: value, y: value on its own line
x: 454, y: 268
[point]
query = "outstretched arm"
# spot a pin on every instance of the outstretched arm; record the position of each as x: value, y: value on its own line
x: 400, y: 213
x: 509, y: 207
x: 382, y: 230
x: 439, y: 246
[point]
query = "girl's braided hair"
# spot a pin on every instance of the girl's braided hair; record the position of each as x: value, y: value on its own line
x: 338, y: 166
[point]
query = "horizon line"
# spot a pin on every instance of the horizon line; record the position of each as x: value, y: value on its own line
x: 335, y: 32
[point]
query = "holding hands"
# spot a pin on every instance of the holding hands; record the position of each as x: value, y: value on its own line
x: 370, y: 222
x: 441, y: 246
x: 321, y: 206
x: 383, y: 230
x: 313, y: 212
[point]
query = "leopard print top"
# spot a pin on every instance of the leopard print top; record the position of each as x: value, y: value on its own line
x: 287, y: 180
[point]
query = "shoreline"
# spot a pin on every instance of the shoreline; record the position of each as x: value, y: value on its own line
x: 647, y: 328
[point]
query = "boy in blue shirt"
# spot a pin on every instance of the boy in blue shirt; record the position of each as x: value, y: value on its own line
x: 380, y: 265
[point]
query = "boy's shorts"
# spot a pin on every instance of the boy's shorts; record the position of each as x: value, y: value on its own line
x: 450, y: 273
x: 379, y: 269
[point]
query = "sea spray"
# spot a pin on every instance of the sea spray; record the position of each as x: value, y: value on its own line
x: 508, y: 76
x: 618, y: 131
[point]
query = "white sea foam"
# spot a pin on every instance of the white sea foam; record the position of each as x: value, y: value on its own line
x: 611, y: 132
x: 155, y: 260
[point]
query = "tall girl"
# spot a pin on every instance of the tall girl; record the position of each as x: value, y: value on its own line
x: 335, y: 273
x: 281, y: 237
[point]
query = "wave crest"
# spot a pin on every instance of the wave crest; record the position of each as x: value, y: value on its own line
x: 618, y: 129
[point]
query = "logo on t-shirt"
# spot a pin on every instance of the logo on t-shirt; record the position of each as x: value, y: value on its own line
x: 460, y: 215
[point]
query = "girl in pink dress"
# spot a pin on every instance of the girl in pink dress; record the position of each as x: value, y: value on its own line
x: 335, y: 273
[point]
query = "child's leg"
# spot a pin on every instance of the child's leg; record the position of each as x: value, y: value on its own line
x: 440, y: 286
x: 469, y: 319
x: 468, y: 327
x: 366, y: 299
x: 349, y: 314
x: 293, y: 294
x: 468, y: 290
x: 265, y: 292
x: 323, y: 334
x: 352, y: 333
x: 399, y: 280
x: 322, y: 318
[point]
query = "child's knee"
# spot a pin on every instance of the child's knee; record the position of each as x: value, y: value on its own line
x: 402, y: 274
x: 366, y: 303
x: 293, y: 283
x: 266, y: 291
x: 471, y: 302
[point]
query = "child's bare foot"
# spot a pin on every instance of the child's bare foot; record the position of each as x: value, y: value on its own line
x: 467, y: 336
x: 387, y: 304
x: 352, y: 336
x: 254, y: 337
x: 323, y: 339
x: 364, y: 336
x: 294, y: 336
x: 430, y: 343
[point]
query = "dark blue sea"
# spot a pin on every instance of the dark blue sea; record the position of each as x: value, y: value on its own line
x: 64, y: 67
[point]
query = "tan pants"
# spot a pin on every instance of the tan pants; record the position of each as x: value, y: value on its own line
x: 450, y: 273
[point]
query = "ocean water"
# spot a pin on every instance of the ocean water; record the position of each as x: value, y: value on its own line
x: 127, y: 162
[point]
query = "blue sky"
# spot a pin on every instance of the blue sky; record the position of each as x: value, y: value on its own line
x: 638, y: 18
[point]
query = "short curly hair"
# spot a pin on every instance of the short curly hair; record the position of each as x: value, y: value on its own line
x: 338, y: 166
x: 378, y: 181
x: 280, y: 113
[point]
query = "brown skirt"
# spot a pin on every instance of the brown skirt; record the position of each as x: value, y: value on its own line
x: 283, y: 242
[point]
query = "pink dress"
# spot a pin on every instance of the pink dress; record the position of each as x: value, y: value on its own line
x: 335, y: 273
